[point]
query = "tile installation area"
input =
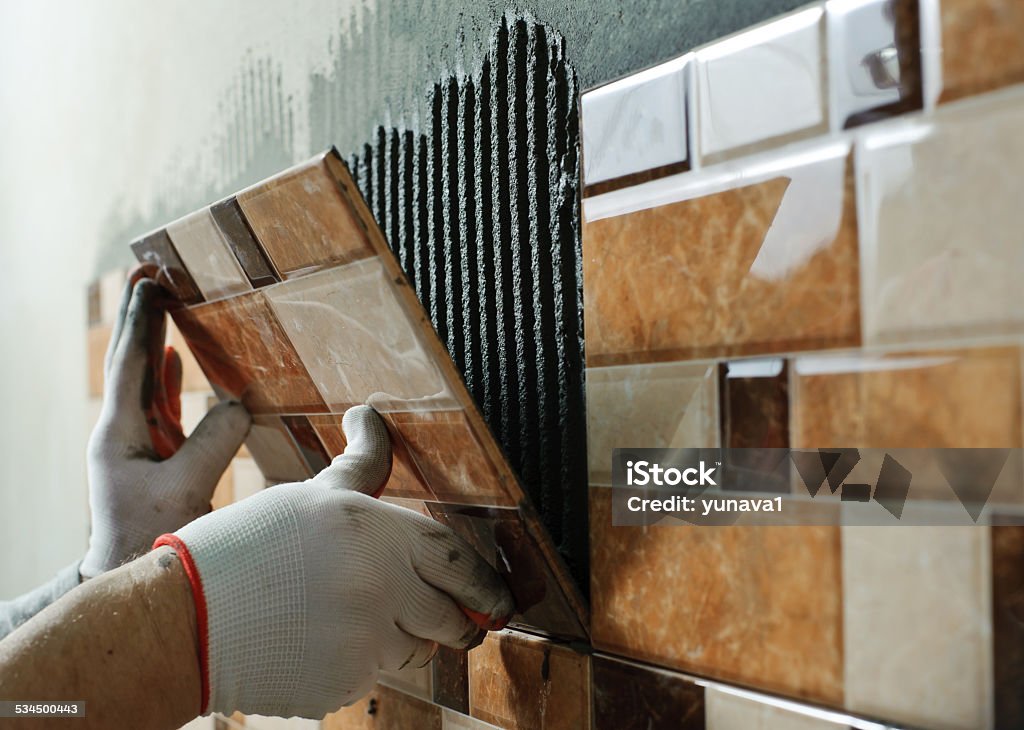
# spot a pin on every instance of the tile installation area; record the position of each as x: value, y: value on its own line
x: 805, y: 234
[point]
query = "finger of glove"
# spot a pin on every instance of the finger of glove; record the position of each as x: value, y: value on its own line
x: 400, y: 649
x: 131, y: 380
x: 366, y: 462
x: 202, y: 459
x: 428, y: 613
x: 122, y: 313
x: 450, y: 564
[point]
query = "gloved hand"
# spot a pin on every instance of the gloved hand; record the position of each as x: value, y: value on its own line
x: 136, y: 495
x: 304, y: 591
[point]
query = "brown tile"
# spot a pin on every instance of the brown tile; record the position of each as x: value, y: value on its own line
x: 275, y: 451
x: 1008, y: 624
x: 450, y: 457
x: 303, y: 221
x: 982, y: 45
x: 521, y: 683
x: 156, y: 248
x: 96, y: 343
x: 313, y: 452
x: 242, y: 243
x: 405, y: 480
x: 742, y: 271
x: 450, y: 669
x: 206, y: 255
x: 505, y: 540
x: 245, y: 353
x: 385, y: 709
x: 628, y: 697
x: 761, y: 605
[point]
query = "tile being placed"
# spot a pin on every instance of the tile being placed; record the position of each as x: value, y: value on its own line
x: 1008, y: 624
x: 275, y: 451
x: 303, y: 221
x: 941, y: 223
x: 762, y: 87
x: 521, y: 683
x: 762, y: 606
x: 359, y: 346
x: 241, y: 241
x: 192, y: 377
x: 918, y: 624
x: 664, y: 405
x: 385, y: 709
x: 637, y: 123
x: 982, y: 45
x: 205, y: 253
x: 760, y: 262
x: 246, y: 355
x: 874, y: 59
x: 156, y: 249
x: 631, y: 697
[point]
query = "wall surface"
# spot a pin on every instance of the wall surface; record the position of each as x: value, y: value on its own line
x: 118, y: 117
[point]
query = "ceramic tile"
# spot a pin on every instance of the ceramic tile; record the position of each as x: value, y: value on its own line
x: 303, y: 221
x: 450, y: 670
x: 97, y: 339
x: 629, y: 697
x: 504, y: 538
x: 767, y: 267
x: 665, y: 405
x: 247, y: 479
x: 982, y: 45
x: 1008, y: 624
x: 192, y: 377
x: 918, y: 625
x: 205, y: 253
x: 451, y: 458
x: 762, y: 605
x: 521, y: 683
x: 156, y: 249
x: 353, y: 335
x: 727, y: 711
x: 245, y: 353
x: 762, y: 86
x: 275, y: 451
x: 941, y: 221
x: 456, y: 721
x: 242, y: 243
x: 385, y: 709
x: 874, y: 59
x: 308, y: 442
x: 637, y: 123
x: 411, y: 680
x: 194, y: 407
x: 405, y: 480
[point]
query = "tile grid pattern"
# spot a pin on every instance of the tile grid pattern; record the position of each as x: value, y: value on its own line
x: 829, y: 265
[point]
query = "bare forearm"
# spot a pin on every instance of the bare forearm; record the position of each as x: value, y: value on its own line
x: 124, y: 642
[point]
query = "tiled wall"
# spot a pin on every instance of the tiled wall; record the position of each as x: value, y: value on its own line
x: 807, y: 234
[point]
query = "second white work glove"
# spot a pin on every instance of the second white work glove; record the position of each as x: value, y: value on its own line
x: 304, y: 591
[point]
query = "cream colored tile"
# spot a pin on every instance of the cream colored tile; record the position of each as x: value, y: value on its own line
x: 917, y: 624
x: 194, y: 407
x: 724, y: 710
x: 247, y: 479
x: 941, y: 223
x: 205, y: 253
x: 666, y: 405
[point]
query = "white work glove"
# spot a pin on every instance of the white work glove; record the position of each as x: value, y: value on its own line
x: 145, y: 479
x: 304, y: 591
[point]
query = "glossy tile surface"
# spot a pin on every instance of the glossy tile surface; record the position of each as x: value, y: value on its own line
x: 451, y: 458
x: 359, y: 346
x: 242, y: 242
x: 206, y: 255
x: 762, y: 605
x: 665, y: 405
x: 504, y: 538
x: 637, y: 123
x: 244, y: 352
x: 156, y: 249
x: 411, y: 680
x: 765, y: 267
x: 763, y: 86
x: 727, y: 711
x: 1008, y: 624
x: 308, y: 442
x: 755, y: 404
x: 450, y: 675
x: 303, y: 222
x: 982, y: 45
x: 874, y: 59
x: 385, y: 709
x: 275, y: 451
x: 941, y: 223
x: 628, y: 697
x: 917, y: 624
x: 520, y: 683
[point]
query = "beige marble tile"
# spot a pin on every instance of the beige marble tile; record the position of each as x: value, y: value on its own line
x: 385, y: 709
x: 275, y: 452
x: 357, y: 342
x: 982, y: 45
x: 917, y: 624
x: 206, y: 255
x: 726, y: 710
x: 941, y: 223
x: 665, y: 405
